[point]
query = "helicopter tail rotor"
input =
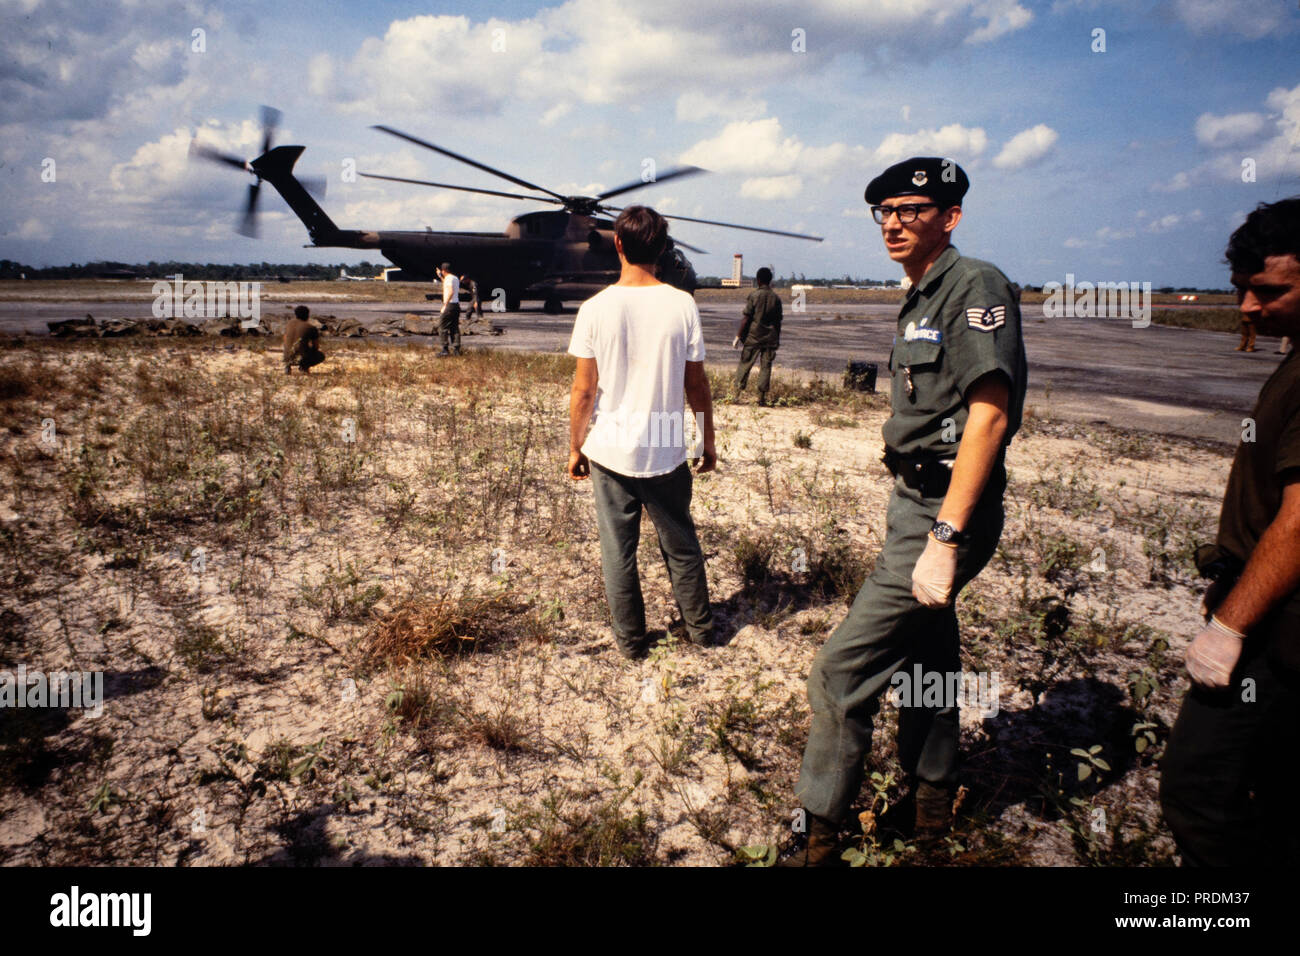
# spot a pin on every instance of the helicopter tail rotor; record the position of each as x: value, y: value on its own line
x: 259, y: 167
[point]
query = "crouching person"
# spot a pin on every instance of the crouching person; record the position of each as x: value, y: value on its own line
x: 301, y: 342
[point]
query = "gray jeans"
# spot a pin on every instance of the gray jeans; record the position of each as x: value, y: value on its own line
x: 449, y: 326
x: 667, y: 499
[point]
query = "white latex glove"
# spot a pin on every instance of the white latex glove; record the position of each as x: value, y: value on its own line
x: 1213, y: 654
x: 735, y: 343
x: 934, y: 573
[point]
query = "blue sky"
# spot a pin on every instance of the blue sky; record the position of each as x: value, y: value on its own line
x: 1123, y: 165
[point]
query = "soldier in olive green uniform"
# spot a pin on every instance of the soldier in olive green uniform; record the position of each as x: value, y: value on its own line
x: 760, y: 334
x: 1229, y: 776
x: 958, y: 386
x: 301, y: 342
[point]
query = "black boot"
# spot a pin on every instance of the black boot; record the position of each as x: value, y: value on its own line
x: 820, y: 846
x: 933, y: 811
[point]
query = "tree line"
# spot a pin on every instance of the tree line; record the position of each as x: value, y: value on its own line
x: 191, y: 270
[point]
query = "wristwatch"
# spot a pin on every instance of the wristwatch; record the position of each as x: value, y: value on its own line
x: 946, y: 533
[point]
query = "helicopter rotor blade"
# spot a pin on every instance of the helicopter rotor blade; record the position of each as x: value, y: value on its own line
x: 734, y: 225
x: 468, y: 189
x: 248, y: 226
x: 270, y: 121
x: 465, y: 159
x: 216, y: 156
x: 687, y: 245
x: 674, y: 173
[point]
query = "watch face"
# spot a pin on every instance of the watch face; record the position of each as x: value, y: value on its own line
x: 943, y: 531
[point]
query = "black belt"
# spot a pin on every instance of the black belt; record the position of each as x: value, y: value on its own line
x: 929, y: 474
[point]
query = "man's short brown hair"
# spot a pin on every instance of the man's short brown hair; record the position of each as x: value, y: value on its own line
x: 1272, y: 229
x: 643, y: 233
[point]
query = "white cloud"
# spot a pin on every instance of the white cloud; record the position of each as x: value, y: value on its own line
x: 1099, y: 238
x: 1175, y: 183
x: 1027, y: 147
x: 1273, y: 156
x: 1251, y: 19
x: 759, y: 147
x: 320, y: 75
x: 621, y: 51
x: 36, y: 230
x: 1003, y: 17
x: 152, y: 56
x: 1287, y: 102
x: 952, y: 140
x: 1216, y: 131
x: 771, y: 187
x: 695, y: 106
x: 555, y: 114
x: 165, y: 161
x: 68, y: 60
x: 1164, y: 223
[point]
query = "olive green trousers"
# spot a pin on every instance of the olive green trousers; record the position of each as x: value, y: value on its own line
x: 888, y: 629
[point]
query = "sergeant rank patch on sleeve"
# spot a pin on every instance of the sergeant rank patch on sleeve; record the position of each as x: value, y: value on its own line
x: 986, y: 320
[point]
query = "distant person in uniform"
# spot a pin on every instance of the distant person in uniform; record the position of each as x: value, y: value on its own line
x: 471, y: 286
x: 301, y: 342
x: 640, y: 348
x: 958, y: 390
x: 1229, y: 777
x: 449, y: 319
x: 1247, y: 335
x: 759, y: 334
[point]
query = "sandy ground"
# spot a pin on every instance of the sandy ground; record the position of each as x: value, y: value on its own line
x: 243, y: 723
x: 1186, y: 382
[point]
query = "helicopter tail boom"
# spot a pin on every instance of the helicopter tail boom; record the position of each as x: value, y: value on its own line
x: 276, y: 167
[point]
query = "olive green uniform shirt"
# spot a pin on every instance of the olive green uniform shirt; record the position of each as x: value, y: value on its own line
x: 762, y: 320
x: 1264, y: 466
x: 958, y: 324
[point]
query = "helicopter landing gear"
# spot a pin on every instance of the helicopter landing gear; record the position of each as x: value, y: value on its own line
x: 553, y: 305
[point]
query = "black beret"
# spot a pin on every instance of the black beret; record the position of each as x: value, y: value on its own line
x: 941, y: 179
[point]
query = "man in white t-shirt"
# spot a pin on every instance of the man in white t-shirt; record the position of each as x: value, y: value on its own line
x: 639, y: 347
x: 449, y: 320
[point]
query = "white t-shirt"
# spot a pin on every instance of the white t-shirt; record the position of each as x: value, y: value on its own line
x: 641, y: 338
x: 450, y: 289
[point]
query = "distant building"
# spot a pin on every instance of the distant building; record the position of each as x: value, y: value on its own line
x: 737, y: 264
x: 394, y: 274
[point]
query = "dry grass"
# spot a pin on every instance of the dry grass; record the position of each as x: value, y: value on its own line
x: 357, y: 617
x: 447, y: 625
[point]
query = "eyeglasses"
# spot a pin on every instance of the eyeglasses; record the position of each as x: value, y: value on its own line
x: 906, y: 212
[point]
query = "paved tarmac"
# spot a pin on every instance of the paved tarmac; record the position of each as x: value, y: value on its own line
x: 1167, y: 380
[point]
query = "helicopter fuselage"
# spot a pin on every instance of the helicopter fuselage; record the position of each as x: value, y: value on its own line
x: 548, y: 255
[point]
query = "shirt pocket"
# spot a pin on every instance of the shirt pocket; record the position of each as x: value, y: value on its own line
x: 924, y: 364
x: 918, y: 355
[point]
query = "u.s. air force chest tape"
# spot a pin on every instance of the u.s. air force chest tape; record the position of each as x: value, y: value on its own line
x: 922, y: 333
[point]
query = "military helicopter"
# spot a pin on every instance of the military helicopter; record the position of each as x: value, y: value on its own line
x: 549, y: 255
